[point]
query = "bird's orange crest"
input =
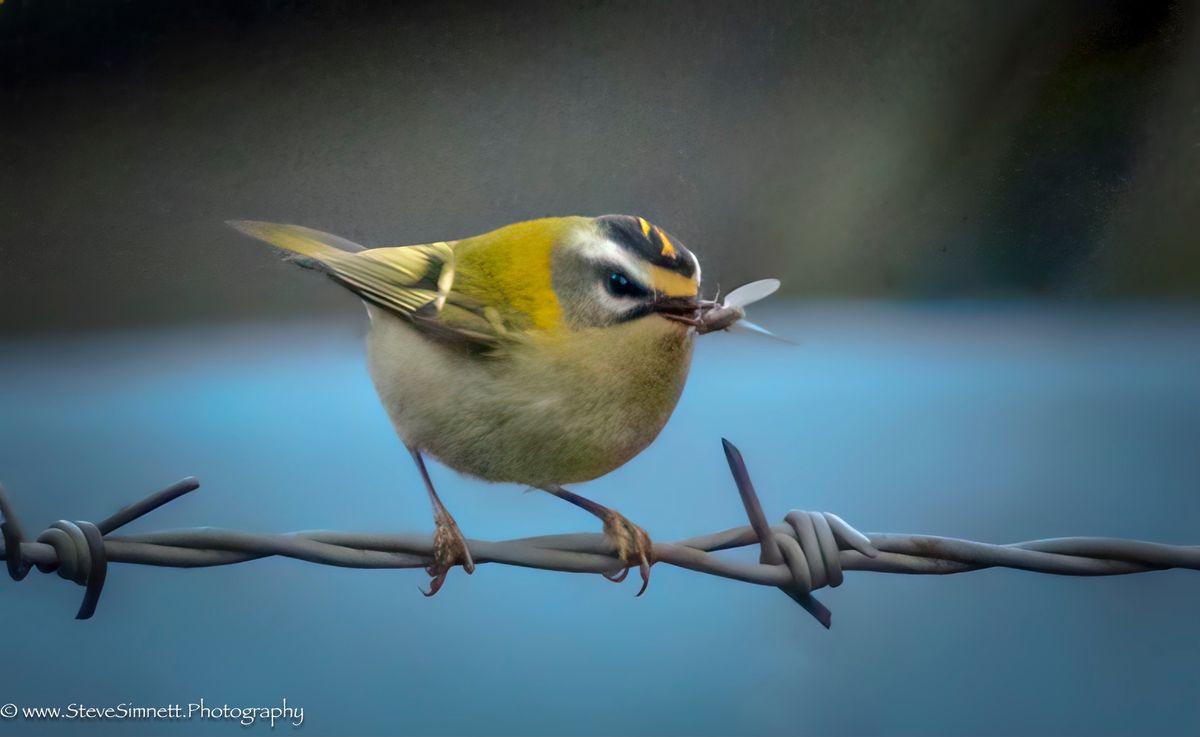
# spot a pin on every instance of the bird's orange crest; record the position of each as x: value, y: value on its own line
x: 668, y: 248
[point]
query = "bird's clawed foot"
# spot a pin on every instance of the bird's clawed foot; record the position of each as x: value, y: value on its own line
x: 633, y: 545
x: 449, y: 549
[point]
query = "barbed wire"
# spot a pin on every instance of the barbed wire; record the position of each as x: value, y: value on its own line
x: 807, y: 552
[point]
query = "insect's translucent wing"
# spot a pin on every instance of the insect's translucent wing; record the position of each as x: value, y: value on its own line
x: 748, y: 294
x: 744, y: 324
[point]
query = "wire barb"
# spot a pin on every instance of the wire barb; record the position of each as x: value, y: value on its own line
x: 807, y: 552
x: 79, y: 551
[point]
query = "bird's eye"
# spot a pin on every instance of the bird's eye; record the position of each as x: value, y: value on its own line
x: 620, y: 285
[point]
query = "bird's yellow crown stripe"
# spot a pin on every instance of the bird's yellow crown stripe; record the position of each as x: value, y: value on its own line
x: 668, y: 248
x: 645, y: 227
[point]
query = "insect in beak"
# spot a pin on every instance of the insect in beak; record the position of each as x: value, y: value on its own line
x: 679, y: 309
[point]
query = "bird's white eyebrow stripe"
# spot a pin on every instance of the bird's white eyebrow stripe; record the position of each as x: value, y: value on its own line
x: 604, y: 251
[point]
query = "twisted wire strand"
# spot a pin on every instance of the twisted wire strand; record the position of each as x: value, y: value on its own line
x: 807, y: 552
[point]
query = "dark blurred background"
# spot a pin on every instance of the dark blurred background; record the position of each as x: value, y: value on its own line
x: 911, y: 150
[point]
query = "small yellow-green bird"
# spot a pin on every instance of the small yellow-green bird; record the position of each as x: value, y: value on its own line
x: 545, y: 353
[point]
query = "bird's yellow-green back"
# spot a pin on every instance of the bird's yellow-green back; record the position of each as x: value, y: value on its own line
x: 510, y: 269
x: 480, y: 290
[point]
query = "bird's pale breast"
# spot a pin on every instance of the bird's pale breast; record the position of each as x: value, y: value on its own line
x: 554, y: 411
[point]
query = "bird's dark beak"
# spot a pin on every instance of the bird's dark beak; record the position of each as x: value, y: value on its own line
x: 680, y: 309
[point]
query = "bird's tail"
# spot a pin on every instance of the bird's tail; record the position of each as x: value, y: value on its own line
x: 402, y: 279
x: 307, y: 247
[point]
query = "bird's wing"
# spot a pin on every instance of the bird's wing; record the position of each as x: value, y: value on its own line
x: 414, y: 282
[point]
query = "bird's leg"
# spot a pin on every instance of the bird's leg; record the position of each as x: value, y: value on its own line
x: 633, y: 545
x: 449, y: 545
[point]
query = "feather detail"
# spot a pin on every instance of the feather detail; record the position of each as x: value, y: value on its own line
x: 414, y: 282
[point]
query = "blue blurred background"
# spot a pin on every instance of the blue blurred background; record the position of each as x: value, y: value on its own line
x: 994, y: 423
x: 984, y: 215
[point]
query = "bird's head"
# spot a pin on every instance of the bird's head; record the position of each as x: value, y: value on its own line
x: 618, y: 268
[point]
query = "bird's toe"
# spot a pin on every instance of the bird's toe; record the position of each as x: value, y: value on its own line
x: 449, y: 549
x: 634, y: 547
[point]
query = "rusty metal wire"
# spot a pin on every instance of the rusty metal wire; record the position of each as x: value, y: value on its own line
x: 809, y: 551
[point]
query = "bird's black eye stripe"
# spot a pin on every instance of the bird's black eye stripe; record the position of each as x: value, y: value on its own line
x: 620, y: 285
